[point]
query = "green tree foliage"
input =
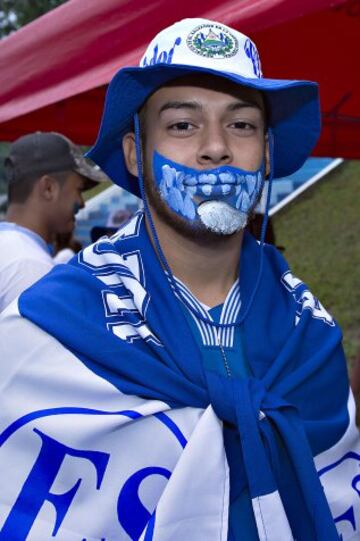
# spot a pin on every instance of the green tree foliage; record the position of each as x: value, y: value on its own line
x: 321, y: 234
x: 16, y: 13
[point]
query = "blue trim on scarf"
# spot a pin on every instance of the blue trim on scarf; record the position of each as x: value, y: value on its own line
x: 50, y: 412
x: 290, y: 363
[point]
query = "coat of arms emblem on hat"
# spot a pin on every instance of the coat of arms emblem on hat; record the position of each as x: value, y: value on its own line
x: 212, y: 41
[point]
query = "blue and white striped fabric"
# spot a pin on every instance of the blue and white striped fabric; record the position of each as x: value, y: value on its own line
x: 211, y: 335
x: 111, y: 427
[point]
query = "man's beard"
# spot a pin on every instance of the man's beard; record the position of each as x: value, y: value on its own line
x: 197, y: 232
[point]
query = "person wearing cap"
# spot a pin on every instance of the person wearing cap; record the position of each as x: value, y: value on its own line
x: 197, y: 373
x: 46, y: 175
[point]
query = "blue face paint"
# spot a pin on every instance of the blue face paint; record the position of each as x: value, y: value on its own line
x: 76, y: 208
x: 220, y: 198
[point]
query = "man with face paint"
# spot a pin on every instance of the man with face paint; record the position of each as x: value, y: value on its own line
x: 217, y: 131
x: 194, y: 367
x: 205, y: 161
x: 46, y: 175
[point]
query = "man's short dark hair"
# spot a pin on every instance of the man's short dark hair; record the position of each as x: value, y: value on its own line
x: 19, y: 191
x: 36, y: 154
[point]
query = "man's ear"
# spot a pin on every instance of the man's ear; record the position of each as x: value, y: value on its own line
x: 47, y: 187
x: 129, y: 149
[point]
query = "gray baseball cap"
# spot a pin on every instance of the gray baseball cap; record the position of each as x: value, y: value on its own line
x: 43, y: 153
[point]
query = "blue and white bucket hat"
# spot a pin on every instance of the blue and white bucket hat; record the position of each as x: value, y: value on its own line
x: 204, y: 46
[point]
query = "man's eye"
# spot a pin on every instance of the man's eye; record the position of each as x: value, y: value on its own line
x: 181, y: 126
x: 242, y: 125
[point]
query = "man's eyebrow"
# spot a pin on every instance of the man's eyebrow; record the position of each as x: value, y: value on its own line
x: 236, y: 106
x: 193, y: 105
x: 196, y: 106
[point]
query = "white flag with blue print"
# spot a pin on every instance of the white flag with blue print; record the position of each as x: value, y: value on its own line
x: 96, y: 464
x: 100, y: 465
x: 84, y: 458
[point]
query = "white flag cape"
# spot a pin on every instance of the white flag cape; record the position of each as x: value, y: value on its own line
x: 45, y: 390
x: 81, y: 460
x: 109, y: 459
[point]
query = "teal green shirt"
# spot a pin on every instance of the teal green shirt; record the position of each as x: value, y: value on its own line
x: 242, y: 525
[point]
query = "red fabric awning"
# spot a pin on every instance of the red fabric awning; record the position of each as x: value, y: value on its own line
x: 54, y: 71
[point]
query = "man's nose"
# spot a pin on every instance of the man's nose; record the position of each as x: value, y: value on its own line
x: 214, y: 147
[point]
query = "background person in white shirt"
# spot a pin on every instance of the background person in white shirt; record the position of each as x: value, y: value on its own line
x: 46, y: 175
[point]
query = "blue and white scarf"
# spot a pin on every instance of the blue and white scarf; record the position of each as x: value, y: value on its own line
x: 105, y: 346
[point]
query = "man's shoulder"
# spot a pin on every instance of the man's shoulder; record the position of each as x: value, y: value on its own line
x: 20, y: 267
x: 16, y: 247
x: 9, y: 237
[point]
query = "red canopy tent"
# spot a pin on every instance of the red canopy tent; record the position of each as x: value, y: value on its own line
x: 54, y: 71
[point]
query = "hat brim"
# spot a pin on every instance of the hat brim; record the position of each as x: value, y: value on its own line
x: 91, y: 173
x: 292, y: 106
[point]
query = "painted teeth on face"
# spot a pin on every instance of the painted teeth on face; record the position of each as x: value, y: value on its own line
x: 240, y: 179
x: 189, y: 207
x: 227, y: 178
x: 190, y: 180
x: 186, y: 191
x: 169, y: 175
x: 175, y: 200
x: 206, y: 189
x: 226, y: 188
x: 163, y: 189
x: 242, y: 201
x: 179, y: 180
x: 209, y: 178
x: 191, y: 190
x: 245, y: 203
x: 238, y: 201
x: 250, y: 183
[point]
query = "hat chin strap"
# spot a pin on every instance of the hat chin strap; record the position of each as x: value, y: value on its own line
x: 243, y: 313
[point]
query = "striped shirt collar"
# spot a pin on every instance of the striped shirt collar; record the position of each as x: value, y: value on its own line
x: 211, y: 335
